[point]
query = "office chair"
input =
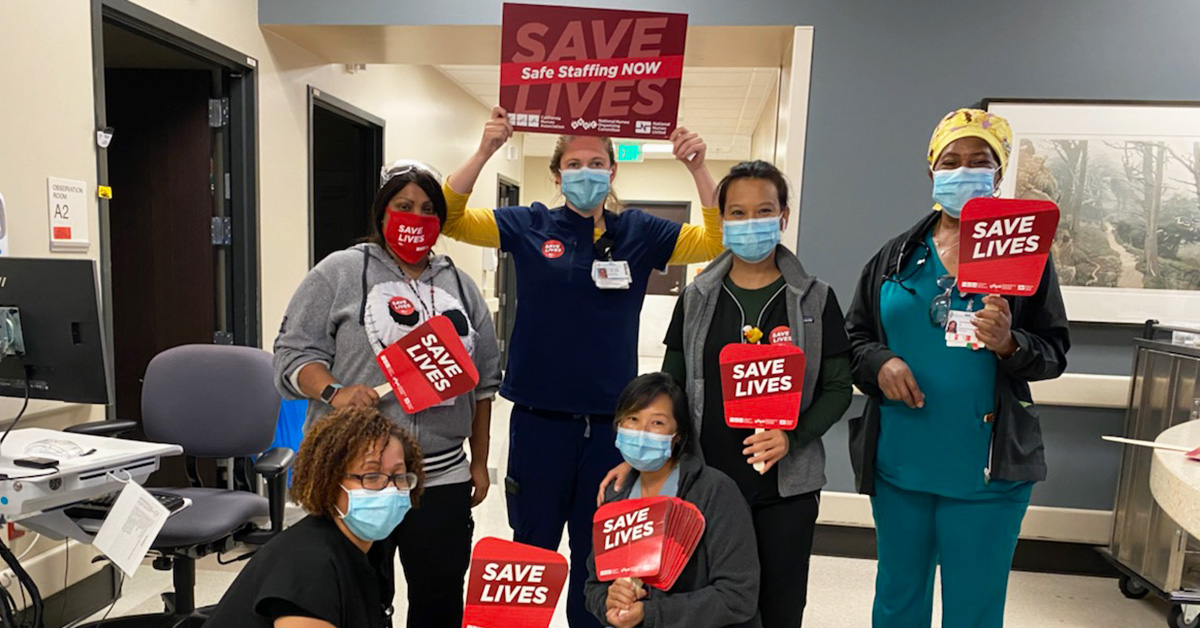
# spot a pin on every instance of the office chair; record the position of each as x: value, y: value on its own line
x: 216, y: 402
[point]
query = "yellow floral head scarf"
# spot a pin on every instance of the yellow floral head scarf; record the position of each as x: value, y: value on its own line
x: 988, y: 127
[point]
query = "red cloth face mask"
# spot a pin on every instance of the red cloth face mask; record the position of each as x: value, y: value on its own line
x: 410, y: 236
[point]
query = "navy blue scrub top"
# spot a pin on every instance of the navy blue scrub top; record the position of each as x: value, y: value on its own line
x: 574, y: 346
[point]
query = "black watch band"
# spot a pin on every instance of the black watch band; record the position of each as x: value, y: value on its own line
x: 329, y: 392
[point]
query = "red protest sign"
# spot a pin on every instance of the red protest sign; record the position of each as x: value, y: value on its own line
x: 1004, y: 245
x: 628, y: 537
x: 602, y: 72
x: 428, y: 365
x: 512, y: 585
x: 762, y: 385
x: 650, y: 538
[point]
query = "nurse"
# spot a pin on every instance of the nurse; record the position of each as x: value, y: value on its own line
x: 949, y: 445
x: 582, y: 269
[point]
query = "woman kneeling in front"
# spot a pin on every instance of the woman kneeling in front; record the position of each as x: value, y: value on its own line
x: 356, y: 475
x: 719, y: 586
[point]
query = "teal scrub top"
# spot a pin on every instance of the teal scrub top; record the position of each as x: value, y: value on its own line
x: 670, y: 487
x: 943, y: 447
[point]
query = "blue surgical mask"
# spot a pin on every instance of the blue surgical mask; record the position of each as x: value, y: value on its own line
x: 953, y: 188
x: 372, y: 515
x: 585, y: 188
x: 751, y: 240
x: 644, y: 451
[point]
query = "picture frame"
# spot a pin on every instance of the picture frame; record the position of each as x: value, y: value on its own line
x: 1119, y: 170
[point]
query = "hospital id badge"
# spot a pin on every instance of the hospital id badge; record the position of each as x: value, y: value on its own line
x: 611, y: 275
x: 960, y: 330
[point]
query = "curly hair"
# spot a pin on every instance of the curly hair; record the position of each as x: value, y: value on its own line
x: 333, y: 444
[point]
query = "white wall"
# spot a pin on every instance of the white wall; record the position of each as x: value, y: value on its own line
x: 47, y: 123
x: 651, y: 180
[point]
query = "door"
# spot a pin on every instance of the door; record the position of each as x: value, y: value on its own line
x: 508, y: 194
x: 164, y: 273
x: 345, y: 153
x: 671, y: 282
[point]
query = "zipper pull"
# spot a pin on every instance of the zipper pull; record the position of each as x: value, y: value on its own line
x: 587, y: 427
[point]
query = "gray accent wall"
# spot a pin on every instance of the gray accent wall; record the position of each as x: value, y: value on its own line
x: 884, y: 72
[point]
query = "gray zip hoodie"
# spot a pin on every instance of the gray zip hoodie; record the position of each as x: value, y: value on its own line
x: 803, y: 470
x: 355, y: 303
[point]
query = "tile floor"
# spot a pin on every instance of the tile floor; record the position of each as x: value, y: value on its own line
x: 840, y: 590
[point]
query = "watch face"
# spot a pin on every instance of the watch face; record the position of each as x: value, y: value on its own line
x: 327, y: 394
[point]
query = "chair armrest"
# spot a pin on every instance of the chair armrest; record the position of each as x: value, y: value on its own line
x: 111, y: 429
x: 274, y: 462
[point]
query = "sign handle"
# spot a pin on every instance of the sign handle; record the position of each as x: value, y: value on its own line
x: 637, y: 584
x: 759, y: 466
x: 383, y: 390
x: 1146, y: 443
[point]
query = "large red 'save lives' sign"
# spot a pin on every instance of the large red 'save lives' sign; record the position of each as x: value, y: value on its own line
x: 762, y: 385
x: 511, y: 585
x: 650, y: 538
x: 428, y: 365
x: 602, y: 72
x: 1004, y: 245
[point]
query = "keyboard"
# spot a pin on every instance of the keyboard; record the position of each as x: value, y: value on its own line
x: 98, y: 508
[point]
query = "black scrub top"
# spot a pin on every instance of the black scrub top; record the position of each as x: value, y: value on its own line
x: 309, y: 570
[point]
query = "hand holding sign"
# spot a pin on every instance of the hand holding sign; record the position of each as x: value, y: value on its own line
x: 512, y: 585
x: 496, y: 132
x: 427, y: 366
x: 762, y: 386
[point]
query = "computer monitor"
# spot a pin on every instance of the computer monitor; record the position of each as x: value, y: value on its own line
x: 60, y: 344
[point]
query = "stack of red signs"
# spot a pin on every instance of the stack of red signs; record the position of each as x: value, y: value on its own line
x: 1004, y: 245
x: 512, y: 585
x: 427, y: 366
x: 650, y: 538
x: 762, y: 385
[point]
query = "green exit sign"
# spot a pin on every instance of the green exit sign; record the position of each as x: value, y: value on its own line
x: 629, y: 152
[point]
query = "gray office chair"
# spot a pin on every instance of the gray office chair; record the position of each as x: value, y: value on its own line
x: 216, y: 402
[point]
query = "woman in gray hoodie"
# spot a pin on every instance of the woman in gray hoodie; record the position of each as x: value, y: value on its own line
x: 718, y: 587
x: 353, y: 305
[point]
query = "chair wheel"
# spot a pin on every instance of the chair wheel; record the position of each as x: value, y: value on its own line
x: 1131, y: 588
x: 1177, y: 618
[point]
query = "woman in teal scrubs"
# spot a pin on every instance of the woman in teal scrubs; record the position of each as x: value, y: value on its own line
x: 949, y: 446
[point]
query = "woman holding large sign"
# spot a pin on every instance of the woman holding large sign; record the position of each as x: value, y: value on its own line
x: 758, y: 293
x: 355, y: 304
x: 582, y: 271
x: 719, y: 586
x: 949, y: 446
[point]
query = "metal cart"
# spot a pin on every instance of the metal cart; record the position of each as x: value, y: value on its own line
x: 1153, y: 554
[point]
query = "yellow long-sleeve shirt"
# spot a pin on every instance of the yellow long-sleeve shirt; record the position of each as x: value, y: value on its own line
x: 696, y: 243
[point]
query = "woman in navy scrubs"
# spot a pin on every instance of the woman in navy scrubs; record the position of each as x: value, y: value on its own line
x: 582, y: 270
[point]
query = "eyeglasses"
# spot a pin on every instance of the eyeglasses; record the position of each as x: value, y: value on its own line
x: 939, y: 308
x: 405, y: 166
x: 379, y: 481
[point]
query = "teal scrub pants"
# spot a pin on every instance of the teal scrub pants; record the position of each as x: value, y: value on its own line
x: 972, y: 540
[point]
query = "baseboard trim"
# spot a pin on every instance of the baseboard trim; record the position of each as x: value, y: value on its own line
x: 1042, y: 523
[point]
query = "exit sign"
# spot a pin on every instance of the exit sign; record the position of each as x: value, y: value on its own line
x: 629, y: 152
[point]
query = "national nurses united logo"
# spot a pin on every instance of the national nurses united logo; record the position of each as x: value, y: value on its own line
x: 553, y: 249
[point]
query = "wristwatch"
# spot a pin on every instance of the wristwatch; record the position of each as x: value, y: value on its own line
x: 329, y: 392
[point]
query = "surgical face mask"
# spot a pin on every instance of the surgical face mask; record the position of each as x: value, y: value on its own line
x: 585, y: 188
x: 751, y: 240
x: 644, y: 451
x: 953, y: 188
x: 372, y: 515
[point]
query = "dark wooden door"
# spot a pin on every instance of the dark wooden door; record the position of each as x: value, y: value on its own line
x: 671, y: 282
x: 163, y: 268
x: 345, y: 165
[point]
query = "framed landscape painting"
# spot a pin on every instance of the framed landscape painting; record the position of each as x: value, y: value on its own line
x: 1126, y: 178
